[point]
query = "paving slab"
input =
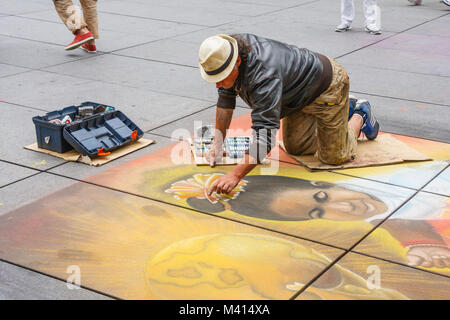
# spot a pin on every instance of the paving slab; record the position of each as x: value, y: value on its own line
x: 418, y: 234
x: 440, y: 184
x: 44, y: 54
x: 17, y: 130
x: 396, y: 16
x: 410, y: 118
x: 12, y: 173
x: 31, y: 189
x: 398, y: 84
x: 357, y: 277
x: 22, y: 6
x: 435, y: 28
x: 116, y: 31
x: 50, y: 91
x: 171, y: 253
x: 21, y: 284
x: 168, y: 50
x: 156, y: 76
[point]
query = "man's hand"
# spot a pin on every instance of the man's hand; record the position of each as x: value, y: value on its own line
x: 225, y: 184
x: 428, y: 257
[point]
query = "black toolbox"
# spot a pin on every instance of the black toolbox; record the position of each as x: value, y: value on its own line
x: 92, y: 136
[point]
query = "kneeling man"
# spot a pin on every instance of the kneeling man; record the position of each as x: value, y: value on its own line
x: 306, y: 90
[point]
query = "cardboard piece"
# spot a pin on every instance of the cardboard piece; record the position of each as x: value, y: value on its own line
x: 74, y: 156
x: 382, y: 151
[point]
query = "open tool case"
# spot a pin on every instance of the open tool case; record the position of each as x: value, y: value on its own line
x: 95, y: 135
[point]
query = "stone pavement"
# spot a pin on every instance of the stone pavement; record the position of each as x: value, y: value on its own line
x: 146, y: 66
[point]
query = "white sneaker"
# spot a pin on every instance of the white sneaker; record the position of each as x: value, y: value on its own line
x: 416, y: 2
x: 447, y: 2
x: 372, y: 29
x: 343, y: 27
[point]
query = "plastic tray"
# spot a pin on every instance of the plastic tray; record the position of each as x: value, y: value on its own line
x: 109, y: 131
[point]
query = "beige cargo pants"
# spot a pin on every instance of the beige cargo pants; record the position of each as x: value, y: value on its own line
x: 322, y: 127
x: 72, y: 18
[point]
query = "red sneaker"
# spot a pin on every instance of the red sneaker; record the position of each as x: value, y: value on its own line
x: 79, y: 40
x: 91, y: 48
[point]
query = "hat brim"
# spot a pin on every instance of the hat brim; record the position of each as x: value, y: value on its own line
x: 226, y: 72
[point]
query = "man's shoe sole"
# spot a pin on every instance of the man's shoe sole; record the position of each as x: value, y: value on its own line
x: 88, y: 50
x: 343, y: 30
x: 373, y: 32
x: 78, y: 44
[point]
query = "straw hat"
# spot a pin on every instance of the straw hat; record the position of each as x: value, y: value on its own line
x: 216, y: 57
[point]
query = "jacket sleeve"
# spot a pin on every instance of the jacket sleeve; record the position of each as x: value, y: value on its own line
x: 266, y: 112
x: 227, y: 98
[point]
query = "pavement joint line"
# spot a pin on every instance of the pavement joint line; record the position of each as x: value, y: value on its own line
x: 399, y: 263
x: 354, y: 245
x: 397, y: 70
x: 57, y: 278
x: 283, y: 9
x: 316, y: 277
x: 391, y: 36
x: 37, y: 19
x: 373, y: 180
x: 398, y: 98
x: 14, y: 65
x: 249, y: 2
x: 125, y: 85
x: 162, y: 135
x: 161, y: 39
x: 99, y: 54
x: 21, y: 179
x: 156, y: 19
x: 154, y: 60
x: 429, y: 181
x: 183, y: 117
x: 106, y: 12
x: 15, y: 74
x: 350, y: 175
x: 28, y: 39
x: 23, y: 106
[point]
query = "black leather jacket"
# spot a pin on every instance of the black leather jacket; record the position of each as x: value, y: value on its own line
x: 276, y: 79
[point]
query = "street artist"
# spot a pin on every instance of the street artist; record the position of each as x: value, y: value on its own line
x: 307, y: 91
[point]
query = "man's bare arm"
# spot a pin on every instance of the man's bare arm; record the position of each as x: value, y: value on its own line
x: 223, y: 120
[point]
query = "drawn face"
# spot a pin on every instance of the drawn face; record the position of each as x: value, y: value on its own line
x: 280, y: 198
x: 333, y: 203
x: 236, y: 265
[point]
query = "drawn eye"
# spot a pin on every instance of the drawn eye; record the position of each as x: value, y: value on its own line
x: 321, y: 184
x: 316, y: 213
x: 321, y: 196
